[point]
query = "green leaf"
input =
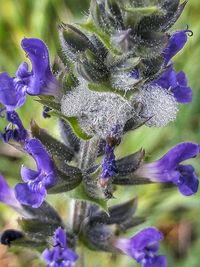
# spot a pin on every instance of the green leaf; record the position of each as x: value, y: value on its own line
x: 49, y: 101
x: 80, y: 193
x: 74, y: 123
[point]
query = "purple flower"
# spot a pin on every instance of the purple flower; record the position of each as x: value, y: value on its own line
x: 175, y: 44
x: 177, y: 84
x: 168, y: 168
x: 60, y: 255
x: 12, y: 92
x: 15, y: 129
x: 109, y: 168
x: 34, y: 189
x: 143, y: 247
x: 170, y: 80
x: 39, y: 81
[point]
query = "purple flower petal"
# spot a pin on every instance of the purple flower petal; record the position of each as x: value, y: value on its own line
x: 168, y: 79
x: 175, y: 44
x: 145, y: 238
x: 181, y: 78
x: 28, y: 197
x: 182, y: 94
x: 143, y: 247
x: 33, y: 191
x: 168, y: 168
x: 158, y: 261
x: 177, y: 154
x: 60, y: 237
x: 42, y: 81
x: 28, y: 174
x: 19, y: 133
x: 70, y: 255
x: 22, y: 71
x: 60, y: 255
x: 10, y: 95
x: 177, y: 84
x: 35, y: 148
x: 7, y: 195
x: 188, y: 183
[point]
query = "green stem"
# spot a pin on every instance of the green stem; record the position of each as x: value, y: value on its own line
x: 79, y: 208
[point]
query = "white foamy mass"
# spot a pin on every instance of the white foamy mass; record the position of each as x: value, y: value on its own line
x: 157, y: 104
x: 97, y: 112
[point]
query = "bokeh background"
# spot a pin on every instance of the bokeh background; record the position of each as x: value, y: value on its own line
x: 177, y: 216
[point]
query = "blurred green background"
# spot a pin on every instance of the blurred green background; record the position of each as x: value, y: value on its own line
x: 177, y: 216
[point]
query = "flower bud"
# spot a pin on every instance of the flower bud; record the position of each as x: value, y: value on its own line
x: 91, y: 68
x: 73, y: 40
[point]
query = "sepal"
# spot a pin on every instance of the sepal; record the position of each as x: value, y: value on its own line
x: 44, y: 213
x: 54, y: 147
x: 126, y: 167
x: 172, y: 11
x: 80, y: 193
x: 101, y: 228
x: 91, y: 67
x: 73, y: 41
x: 68, y: 136
x: 68, y: 178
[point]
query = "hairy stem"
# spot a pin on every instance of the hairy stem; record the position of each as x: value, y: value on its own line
x: 79, y: 208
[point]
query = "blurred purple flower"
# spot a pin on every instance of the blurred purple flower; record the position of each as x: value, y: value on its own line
x: 34, y: 189
x: 60, y: 255
x: 15, y: 129
x: 143, y: 247
x: 39, y: 81
x: 169, y: 170
x: 7, y: 195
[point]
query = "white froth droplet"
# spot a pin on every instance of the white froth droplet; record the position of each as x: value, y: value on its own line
x: 158, y: 106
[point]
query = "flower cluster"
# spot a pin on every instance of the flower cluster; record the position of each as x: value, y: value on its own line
x: 120, y: 76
